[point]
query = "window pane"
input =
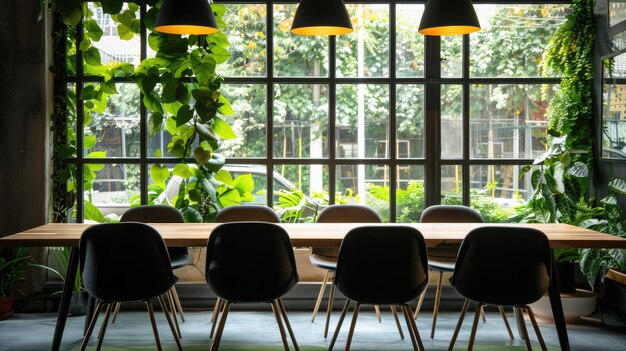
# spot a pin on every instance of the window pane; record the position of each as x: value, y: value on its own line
x: 410, y: 120
x: 614, y: 121
x: 409, y: 43
x: 119, y: 42
x: 410, y: 194
x: 297, y: 55
x: 365, y: 185
x: 452, y: 56
x: 451, y: 185
x: 365, y: 52
x: 496, y: 190
x: 300, y: 120
x: 362, y: 121
x: 112, y: 187
x: 509, y: 120
x: 249, y: 120
x: 302, y: 181
x: 617, y: 12
x: 113, y: 126
x: 512, y: 39
x: 245, y: 28
x: 451, y: 121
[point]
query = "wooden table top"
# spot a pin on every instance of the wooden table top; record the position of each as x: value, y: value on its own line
x: 316, y: 234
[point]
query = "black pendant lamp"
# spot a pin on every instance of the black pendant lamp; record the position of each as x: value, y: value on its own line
x: 186, y: 17
x: 321, y: 17
x: 449, y: 17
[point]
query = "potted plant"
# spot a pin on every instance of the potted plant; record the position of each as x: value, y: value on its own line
x: 14, y: 265
x: 78, y: 303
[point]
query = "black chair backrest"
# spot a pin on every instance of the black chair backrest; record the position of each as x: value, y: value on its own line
x: 156, y: 214
x: 124, y: 262
x: 247, y: 213
x: 382, y: 265
x: 348, y: 214
x: 450, y: 214
x: 250, y: 262
x: 503, y: 265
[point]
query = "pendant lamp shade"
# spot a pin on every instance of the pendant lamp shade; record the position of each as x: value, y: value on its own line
x: 449, y: 17
x: 321, y: 17
x: 186, y: 17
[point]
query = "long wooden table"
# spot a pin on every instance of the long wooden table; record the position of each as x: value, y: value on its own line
x: 309, y: 235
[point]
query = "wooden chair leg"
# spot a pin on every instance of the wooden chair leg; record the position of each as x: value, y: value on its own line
x: 103, y: 329
x: 482, y: 315
x: 179, y: 306
x: 523, y: 328
x: 346, y: 306
x: 506, y: 322
x: 355, y: 315
x: 395, y: 316
x: 459, y: 324
x: 436, y: 306
x: 470, y: 347
x: 283, y: 311
x: 378, y: 315
x: 331, y: 297
x: 92, y: 324
x: 220, y: 329
x: 412, y: 326
x: 154, y: 325
x: 533, y: 320
x: 320, y: 296
x: 170, y: 323
x: 216, y: 313
x: 277, y: 314
x: 419, y: 303
x: 172, y: 307
x: 116, y: 311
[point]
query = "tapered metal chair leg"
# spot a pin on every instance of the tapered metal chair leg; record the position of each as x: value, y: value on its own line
x: 523, y: 328
x: 378, y: 315
x: 170, y: 298
x: 154, y: 325
x: 506, y: 322
x: 320, y: 296
x: 355, y: 315
x: 92, y: 324
x: 216, y: 313
x: 286, y: 320
x: 118, y: 305
x: 346, y: 306
x: 103, y: 329
x: 331, y: 297
x: 419, y: 303
x: 436, y: 306
x: 170, y: 323
x: 220, y: 329
x: 395, y: 316
x: 533, y: 320
x: 283, y: 336
x: 459, y: 324
x: 470, y: 347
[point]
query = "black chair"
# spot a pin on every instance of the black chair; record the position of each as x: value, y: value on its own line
x: 179, y: 256
x: 241, y: 213
x: 397, y: 257
x: 125, y: 262
x: 441, y: 258
x: 503, y: 266
x: 326, y: 258
x: 251, y: 262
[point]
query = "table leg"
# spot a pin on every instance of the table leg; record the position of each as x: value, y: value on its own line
x: 68, y: 287
x: 557, y: 310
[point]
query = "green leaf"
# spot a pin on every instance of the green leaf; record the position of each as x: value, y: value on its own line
x: 108, y: 87
x: 124, y: 32
x: 223, y: 129
x: 89, y: 141
x: 112, y: 6
x: 93, y: 30
x: 244, y: 183
x: 224, y: 106
x: 578, y: 170
x: 155, y: 124
x: 191, y: 215
x: 203, y: 66
x: 184, y: 115
x: 92, y: 56
x: 152, y: 103
x: 230, y: 197
x: 205, y: 133
x: 216, y: 163
x: 183, y: 170
x: 220, y: 54
x: 84, y: 45
x: 224, y: 177
x: 618, y: 185
x: 88, y: 92
x: 93, y: 213
x: 159, y: 173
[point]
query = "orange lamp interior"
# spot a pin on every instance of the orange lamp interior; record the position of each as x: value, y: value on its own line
x: 449, y: 30
x: 322, y: 30
x: 186, y: 29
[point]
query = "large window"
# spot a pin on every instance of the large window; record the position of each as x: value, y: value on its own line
x: 383, y: 117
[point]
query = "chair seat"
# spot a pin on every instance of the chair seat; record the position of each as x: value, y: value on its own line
x: 324, y: 262
x: 180, y: 261
x: 443, y: 266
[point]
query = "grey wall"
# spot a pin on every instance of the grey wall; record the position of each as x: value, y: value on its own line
x: 22, y: 117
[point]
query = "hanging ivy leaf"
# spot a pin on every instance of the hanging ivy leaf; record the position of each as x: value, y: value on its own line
x: 159, y: 173
x: 223, y: 129
x: 92, y: 56
x: 155, y: 124
x: 112, y: 6
x: 184, y: 115
x: 92, y: 30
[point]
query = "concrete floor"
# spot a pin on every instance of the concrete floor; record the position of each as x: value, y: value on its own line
x: 33, y: 331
